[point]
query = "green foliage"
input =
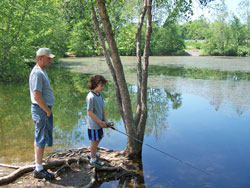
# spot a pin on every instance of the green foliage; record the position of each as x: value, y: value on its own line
x: 190, y: 45
x: 243, y: 51
x: 244, y: 12
x: 66, y: 26
x: 195, y: 30
x: 83, y: 41
x: 123, y: 12
x: 217, y: 40
x: 126, y: 41
x: 222, y: 37
x: 73, y: 11
x: 226, y: 39
x: 25, y: 26
x: 166, y: 40
x: 238, y: 35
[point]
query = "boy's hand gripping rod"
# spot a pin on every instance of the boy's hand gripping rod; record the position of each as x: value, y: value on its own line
x: 111, y: 125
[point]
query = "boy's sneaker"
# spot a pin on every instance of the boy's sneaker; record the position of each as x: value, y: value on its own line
x: 96, y: 163
x: 97, y: 156
x: 44, y: 174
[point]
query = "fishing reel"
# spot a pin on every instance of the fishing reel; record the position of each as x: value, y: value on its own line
x: 110, y: 124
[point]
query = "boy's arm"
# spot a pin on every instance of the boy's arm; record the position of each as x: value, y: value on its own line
x: 105, y: 118
x: 93, y: 116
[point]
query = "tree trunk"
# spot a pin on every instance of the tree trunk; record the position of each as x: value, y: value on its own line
x: 248, y: 28
x: 143, y: 118
x: 125, y: 98
x: 108, y: 60
x: 138, y: 57
x: 133, y: 148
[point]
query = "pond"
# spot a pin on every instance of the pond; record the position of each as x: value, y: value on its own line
x: 199, y: 113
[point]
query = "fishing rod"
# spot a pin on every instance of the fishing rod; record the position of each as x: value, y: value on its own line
x: 111, y: 125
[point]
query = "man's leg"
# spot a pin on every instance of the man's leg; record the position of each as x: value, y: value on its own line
x: 43, y: 136
x: 39, y: 151
x: 35, y: 152
x: 39, y: 154
x: 40, y: 172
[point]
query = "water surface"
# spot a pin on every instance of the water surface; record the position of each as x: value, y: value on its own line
x: 199, y: 115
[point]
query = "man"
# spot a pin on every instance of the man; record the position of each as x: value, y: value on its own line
x: 42, y: 99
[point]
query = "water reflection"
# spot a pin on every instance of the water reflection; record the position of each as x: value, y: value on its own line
x: 14, y: 123
x: 16, y: 126
x: 187, y: 118
x: 135, y: 179
x: 227, y: 91
x: 160, y: 101
x: 17, y: 129
x: 198, y: 73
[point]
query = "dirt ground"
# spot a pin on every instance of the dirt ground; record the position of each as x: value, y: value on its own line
x: 73, y: 174
x: 77, y: 178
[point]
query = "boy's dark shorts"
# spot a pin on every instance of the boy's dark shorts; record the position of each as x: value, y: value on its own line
x: 95, y: 134
x: 43, y: 126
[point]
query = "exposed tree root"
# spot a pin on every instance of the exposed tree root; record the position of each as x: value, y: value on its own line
x: 9, y: 166
x: 51, y: 164
x: 116, y: 166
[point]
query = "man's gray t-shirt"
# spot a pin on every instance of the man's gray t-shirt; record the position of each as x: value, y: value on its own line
x: 95, y: 104
x: 39, y: 81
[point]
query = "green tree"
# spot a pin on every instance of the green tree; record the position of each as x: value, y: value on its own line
x: 218, y: 40
x: 238, y: 35
x: 83, y: 41
x: 195, y: 30
x: 244, y: 10
x: 226, y: 37
x: 167, y: 40
x: 126, y: 41
x: 25, y: 26
x: 134, y: 124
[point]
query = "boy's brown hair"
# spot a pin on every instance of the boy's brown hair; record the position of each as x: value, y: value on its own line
x: 95, y: 80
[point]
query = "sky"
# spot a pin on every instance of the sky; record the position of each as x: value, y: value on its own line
x: 208, y: 13
x: 232, y: 4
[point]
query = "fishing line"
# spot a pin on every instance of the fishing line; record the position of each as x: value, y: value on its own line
x: 171, y: 156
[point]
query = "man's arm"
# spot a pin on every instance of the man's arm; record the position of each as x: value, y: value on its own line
x: 93, y: 116
x: 40, y: 101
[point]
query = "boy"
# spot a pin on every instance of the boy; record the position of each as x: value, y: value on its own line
x: 96, y: 117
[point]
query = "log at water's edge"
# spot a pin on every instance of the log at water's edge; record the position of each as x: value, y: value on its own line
x: 14, y: 175
x: 9, y: 166
x: 28, y: 168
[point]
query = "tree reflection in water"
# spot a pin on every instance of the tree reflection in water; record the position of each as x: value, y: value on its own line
x: 160, y: 102
x: 70, y: 91
x: 135, y: 179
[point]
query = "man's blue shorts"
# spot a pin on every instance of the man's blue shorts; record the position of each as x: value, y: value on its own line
x: 43, y: 126
x: 95, y: 134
